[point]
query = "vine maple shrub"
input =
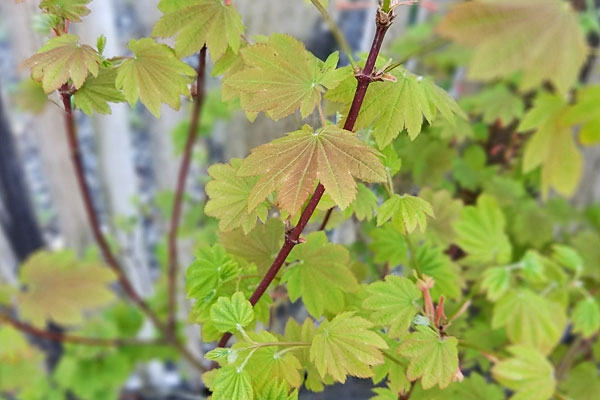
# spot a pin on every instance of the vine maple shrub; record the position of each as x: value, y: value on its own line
x: 470, y: 275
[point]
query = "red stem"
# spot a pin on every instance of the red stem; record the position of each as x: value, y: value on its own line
x: 364, y: 79
x: 62, y: 337
x: 180, y: 191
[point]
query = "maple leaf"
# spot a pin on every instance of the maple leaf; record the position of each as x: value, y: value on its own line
x: 552, y: 145
x: 321, y: 276
x: 60, y: 288
x: 583, y: 382
x: 346, y: 346
x: 276, y: 390
x: 389, y: 245
x: 292, y: 165
x: 232, y: 383
x: 530, y: 319
x: 480, y: 232
x: 282, y: 75
x: 71, y: 10
x: 200, y: 22
x: 542, y: 39
x: 394, y: 106
x: 154, y: 75
x: 211, y: 268
x: 305, y: 333
x: 446, y: 210
x: 496, y: 103
x: 97, y: 92
x: 394, y: 303
x: 432, y: 358
x: 231, y: 314
x: 62, y: 58
x: 586, y: 317
x: 407, y: 212
x: 528, y: 373
x: 431, y: 261
x: 260, y: 246
x: 228, y: 198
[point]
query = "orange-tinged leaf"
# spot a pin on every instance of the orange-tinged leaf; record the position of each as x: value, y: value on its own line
x: 154, y: 76
x: 60, y: 59
x: 540, y: 38
x: 71, y: 10
x: 199, y: 22
x: 59, y: 288
x: 292, y: 165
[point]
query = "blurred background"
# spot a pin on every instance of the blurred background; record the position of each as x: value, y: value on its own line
x: 131, y: 158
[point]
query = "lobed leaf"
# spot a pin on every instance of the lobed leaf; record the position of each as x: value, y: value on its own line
x: 71, y: 10
x: 586, y: 317
x: 232, y: 383
x: 293, y: 164
x: 97, y: 92
x: 231, y: 314
x: 407, y: 212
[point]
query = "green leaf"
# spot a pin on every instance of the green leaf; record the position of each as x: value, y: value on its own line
x: 586, y: 317
x: 60, y: 288
x: 232, y: 383
x: 321, y: 275
x: 432, y: 261
x: 496, y: 281
x: 276, y: 390
x: 567, y: 257
x: 552, y: 146
x: 62, y: 58
x: 364, y: 205
x: 30, y: 96
x: 71, y: 10
x: 97, y: 92
x: 583, y: 382
x: 231, y: 314
x: 432, y: 358
x: 228, y: 198
x: 471, y: 170
x: 394, y: 106
x: 530, y: 319
x: 388, y: 245
x: 510, y: 36
x: 407, y: 212
x: 20, y: 362
x: 481, y: 233
x: 211, y: 268
x: 346, y: 346
x: 528, y: 373
x: 475, y: 387
x: 394, y: 303
x: 292, y: 165
x: 281, y: 76
x: 585, y: 112
x: 154, y: 75
x: 260, y: 246
x: 496, y: 104
x: 200, y: 22
x: 446, y: 210
x: 305, y: 333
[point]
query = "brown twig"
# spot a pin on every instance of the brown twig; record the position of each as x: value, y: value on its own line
x: 364, y: 77
x: 105, y: 249
x: 62, y: 337
x: 326, y: 219
x: 198, y: 96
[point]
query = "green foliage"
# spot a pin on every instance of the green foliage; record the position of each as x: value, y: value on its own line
x: 200, y: 22
x: 72, y: 10
x: 406, y: 213
x: 154, y: 75
x: 232, y: 314
x: 97, y: 92
x: 586, y: 317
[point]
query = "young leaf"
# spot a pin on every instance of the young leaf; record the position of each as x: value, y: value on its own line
x: 229, y: 314
x: 552, y: 146
x: 321, y: 276
x: 481, y: 233
x: 281, y: 76
x: 515, y: 35
x: 200, y: 22
x: 432, y: 358
x: 276, y: 390
x: 228, y: 198
x: 399, y: 105
x: 211, y: 268
x: 394, y: 303
x: 431, y: 261
x: 394, y: 369
x: 346, y: 346
x: 446, y: 210
x: 60, y: 288
x: 232, y: 383
x: 60, y: 59
x: 154, y: 75
x: 496, y: 281
x: 97, y: 92
x: 292, y: 164
x: 305, y: 333
x: 71, y: 10
x: 586, y: 317
x: 583, y: 382
x: 260, y: 246
x: 529, y: 319
x: 407, y: 212
x: 388, y: 245
x: 585, y: 111
x: 527, y: 373
x: 496, y: 104
x: 364, y: 204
